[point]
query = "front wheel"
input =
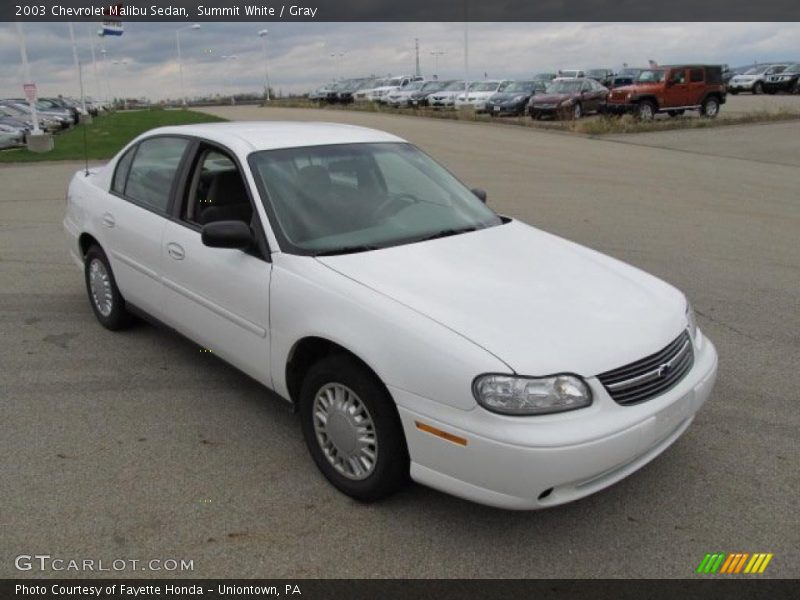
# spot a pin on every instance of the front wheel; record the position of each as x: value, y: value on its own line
x: 104, y: 295
x: 577, y: 111
x: 758, y: 88
x: 352, y: 429
x: 710, y: 108
x: 646, y: 110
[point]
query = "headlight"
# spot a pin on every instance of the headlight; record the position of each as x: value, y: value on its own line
x: 691, y: 319
x: 512, y: 395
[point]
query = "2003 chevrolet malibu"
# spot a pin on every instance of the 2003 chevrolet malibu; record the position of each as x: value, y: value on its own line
x: 419, y: 334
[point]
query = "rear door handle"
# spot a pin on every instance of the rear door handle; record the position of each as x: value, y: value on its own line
x: 108, y: 220
x: 175, y: 251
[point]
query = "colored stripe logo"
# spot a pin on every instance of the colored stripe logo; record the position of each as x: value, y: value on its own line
x: 733, y: 563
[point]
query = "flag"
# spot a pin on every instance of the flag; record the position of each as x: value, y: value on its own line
x: 112, y: 28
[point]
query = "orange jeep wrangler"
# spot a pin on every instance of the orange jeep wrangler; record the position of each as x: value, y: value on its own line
x: 671, y: 89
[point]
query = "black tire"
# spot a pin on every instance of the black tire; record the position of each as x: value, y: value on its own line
x: 577, y: 111
x: 733, y: 92
x: 758, y: 88
x: 646, y: 110
x: 796, y: 87
x: 710, y: 107
x: 676, y: 113
x: 117, y: 317
x: 771, y: 91
x: 391, y: 466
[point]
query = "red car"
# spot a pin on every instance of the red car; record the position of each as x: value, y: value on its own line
x: 568, y: 98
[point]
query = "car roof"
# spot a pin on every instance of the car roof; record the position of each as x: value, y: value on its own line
x: 244, y: 137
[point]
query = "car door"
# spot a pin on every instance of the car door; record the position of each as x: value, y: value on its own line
x: 219, y: 297
x: 132, y: 219
x: 677, y: 90
x: 696, y: 86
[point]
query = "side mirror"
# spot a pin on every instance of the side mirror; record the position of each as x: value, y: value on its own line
x: 227, y: 234
x: 480, y: 194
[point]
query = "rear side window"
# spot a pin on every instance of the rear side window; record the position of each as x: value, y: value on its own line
x: 695, y: 75
x: 121, y: 174
x: 153, y: 170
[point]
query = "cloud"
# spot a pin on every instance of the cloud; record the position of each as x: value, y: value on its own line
x: 300, y: 53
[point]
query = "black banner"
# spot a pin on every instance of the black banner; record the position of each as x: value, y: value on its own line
x: 394, y: 589
x: 407, y: 10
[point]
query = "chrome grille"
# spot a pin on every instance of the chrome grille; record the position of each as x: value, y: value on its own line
x: 652, y: 375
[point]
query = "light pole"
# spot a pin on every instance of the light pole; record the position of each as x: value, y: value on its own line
x: 103, y: 53
x: 263, y: 35
x: 180, y: 58
x: 230, y: 77
x: 436, y: 54
x: 94, y: 63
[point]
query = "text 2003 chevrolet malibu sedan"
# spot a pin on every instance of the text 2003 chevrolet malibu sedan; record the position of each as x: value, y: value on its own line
x: 419, y: 333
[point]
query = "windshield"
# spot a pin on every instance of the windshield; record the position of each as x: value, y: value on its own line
x: 756, y: 71
x: 597, y: 73
x: 435, y: 86
x: 565, y: 87
x: 454, y: 86
x: 414, y: 85
x: 570, y: 74
x: 484, y: 86
x: 354, y: 197
x: 393, y: 82
x: 519, y: 86
x: 651, y: 76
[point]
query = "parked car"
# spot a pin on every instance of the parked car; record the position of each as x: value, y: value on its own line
x: 602, y: 76
x: 419, y: 334
x: 568, y: 98
x: 321, y: 93
x: 22, y: 111
x: 753, y: 79
x: 514, y: 98
x: 11, y: 137
x: 401, y: 97
x: 347, y: 95
x: 478, y: 93
x: 446, y: 97
x: 420, y: 96
x: 671, y: 89
x: 787, y: 80
x: 624, y: 77
x: 378, y: 94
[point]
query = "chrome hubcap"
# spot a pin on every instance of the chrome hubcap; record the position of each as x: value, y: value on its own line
x: 577, y: 111
x: 100, y: 287
x: 646, y: 112
x: 711, y: 109
x: 345, y: 431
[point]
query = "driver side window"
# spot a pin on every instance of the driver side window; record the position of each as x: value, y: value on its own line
x: 678, y: 76
x: 217, y: 192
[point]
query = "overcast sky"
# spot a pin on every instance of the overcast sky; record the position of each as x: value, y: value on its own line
x: 300, y: 53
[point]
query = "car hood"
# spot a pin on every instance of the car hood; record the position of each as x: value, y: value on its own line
x: 550, y: 98
x: 539, y: 303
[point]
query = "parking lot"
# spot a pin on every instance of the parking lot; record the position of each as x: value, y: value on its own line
x: 138, y: 445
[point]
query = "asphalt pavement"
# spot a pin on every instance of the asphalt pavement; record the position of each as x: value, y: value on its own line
x: 137, y: 445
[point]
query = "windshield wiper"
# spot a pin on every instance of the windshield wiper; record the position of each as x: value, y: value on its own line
x: 347, y: 250
x: 446, y: 233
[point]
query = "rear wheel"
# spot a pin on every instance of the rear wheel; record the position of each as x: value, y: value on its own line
x: 796, y: 87
x: 710, y: 107
x: 577, y: 111
x: 104, y: 295
x: 646, y: 111
x: 733, y: 92
x: 352, y: 429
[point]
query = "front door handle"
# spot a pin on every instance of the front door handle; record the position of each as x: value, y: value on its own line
x: 175, y: 251
x: 108, y: 220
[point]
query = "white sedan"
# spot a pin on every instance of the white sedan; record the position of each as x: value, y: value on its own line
x: 419, y: 334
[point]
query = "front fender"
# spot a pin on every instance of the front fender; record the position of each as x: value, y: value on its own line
x: 406, y: 349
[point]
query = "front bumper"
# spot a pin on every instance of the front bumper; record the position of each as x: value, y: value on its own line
x: 741, y: 86
x: 780, y: 86
x: 621, y: 108
x: 505, y: 109
x: 543, y: 461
